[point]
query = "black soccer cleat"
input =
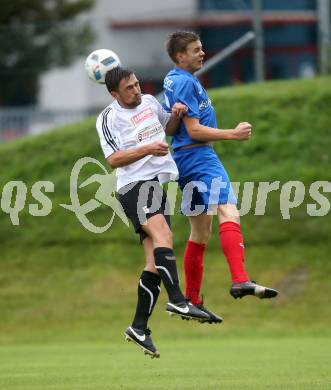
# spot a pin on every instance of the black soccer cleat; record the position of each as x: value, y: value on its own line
x: 143, y: 339
x: 213, y: 317
x: 186, y: 310
x: 239, y: 290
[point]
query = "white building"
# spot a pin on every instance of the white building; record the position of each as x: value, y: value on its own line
x: 139, y: 49
x: 136, y: 31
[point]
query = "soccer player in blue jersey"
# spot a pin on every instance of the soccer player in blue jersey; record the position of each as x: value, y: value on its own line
x: 202, y: 177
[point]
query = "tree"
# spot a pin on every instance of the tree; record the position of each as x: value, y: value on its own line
x: 36, y: 35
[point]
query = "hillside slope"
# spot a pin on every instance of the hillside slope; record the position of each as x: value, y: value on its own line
x: 57, y: 278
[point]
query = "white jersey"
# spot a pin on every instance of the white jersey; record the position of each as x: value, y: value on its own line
x: 123, y: 129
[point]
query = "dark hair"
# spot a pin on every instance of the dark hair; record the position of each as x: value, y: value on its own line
x: 177, y: 42
x: 115, y: 76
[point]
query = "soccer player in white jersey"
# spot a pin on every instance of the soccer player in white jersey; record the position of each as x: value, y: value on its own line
x: 132, y: 133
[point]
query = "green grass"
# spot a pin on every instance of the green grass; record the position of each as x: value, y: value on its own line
x: 237, y: 364
x: 290, y: 129
x: 86, y: 298
x: 66, y: 295
x: 61, y: 283
x: 290, y: 142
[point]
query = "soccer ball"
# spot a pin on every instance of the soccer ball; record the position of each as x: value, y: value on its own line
x: 99, y: 62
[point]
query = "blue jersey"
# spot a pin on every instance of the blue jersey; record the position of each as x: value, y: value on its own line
x: 183, y: 87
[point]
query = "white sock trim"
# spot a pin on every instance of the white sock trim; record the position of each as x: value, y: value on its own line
x: 150, y: 293
x: 167, y: 272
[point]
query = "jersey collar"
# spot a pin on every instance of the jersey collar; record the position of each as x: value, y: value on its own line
x: 183, y: 71
x: 118, y: 107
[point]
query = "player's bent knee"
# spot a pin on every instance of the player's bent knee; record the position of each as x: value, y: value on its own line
x: 166, y: 235
x: 201, y: 234
x: 228, y: 213
x: 163, y: 235
x: 200, y: 237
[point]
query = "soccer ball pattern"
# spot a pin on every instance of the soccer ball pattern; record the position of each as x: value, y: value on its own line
x: 99, y: 62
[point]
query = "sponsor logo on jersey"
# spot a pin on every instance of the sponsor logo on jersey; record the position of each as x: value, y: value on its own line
x: 204, y: 104
x: 167, y: 84
x: 149, y: 131
x: 141, y: 116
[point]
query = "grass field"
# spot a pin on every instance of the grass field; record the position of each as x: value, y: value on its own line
x: 237, y: 364
x: 65, y: 301
x: 66, y: 295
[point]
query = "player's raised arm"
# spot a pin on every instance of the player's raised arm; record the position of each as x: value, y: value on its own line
x: 177, y: 112
x: 121, y: 158
x: 203, y: 133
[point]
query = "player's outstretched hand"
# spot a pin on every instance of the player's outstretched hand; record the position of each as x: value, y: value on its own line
x: 179, y: 110
x: 158, y: 148
x: 243, y: 131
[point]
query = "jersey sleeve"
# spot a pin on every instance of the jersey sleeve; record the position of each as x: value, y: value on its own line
x: 108, y: 140
x: 162, y: 114
x: 185, y: 93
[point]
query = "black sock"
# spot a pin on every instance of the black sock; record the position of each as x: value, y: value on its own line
x: 148, y: 292
x: 165, y: 262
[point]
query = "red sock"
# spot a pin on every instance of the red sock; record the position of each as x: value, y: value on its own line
x: 193, y: 267
x: 233, y: 247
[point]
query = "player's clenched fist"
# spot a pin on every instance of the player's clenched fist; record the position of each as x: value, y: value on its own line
x: 158, y: 148
x: 243, y: 131
x: 178, y: 110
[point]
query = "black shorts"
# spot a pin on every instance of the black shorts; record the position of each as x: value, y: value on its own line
x: 142, y: 200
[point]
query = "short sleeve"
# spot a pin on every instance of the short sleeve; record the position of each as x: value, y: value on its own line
x: 162, y: 114
x: 108, y: 141
x: 185, y: 93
